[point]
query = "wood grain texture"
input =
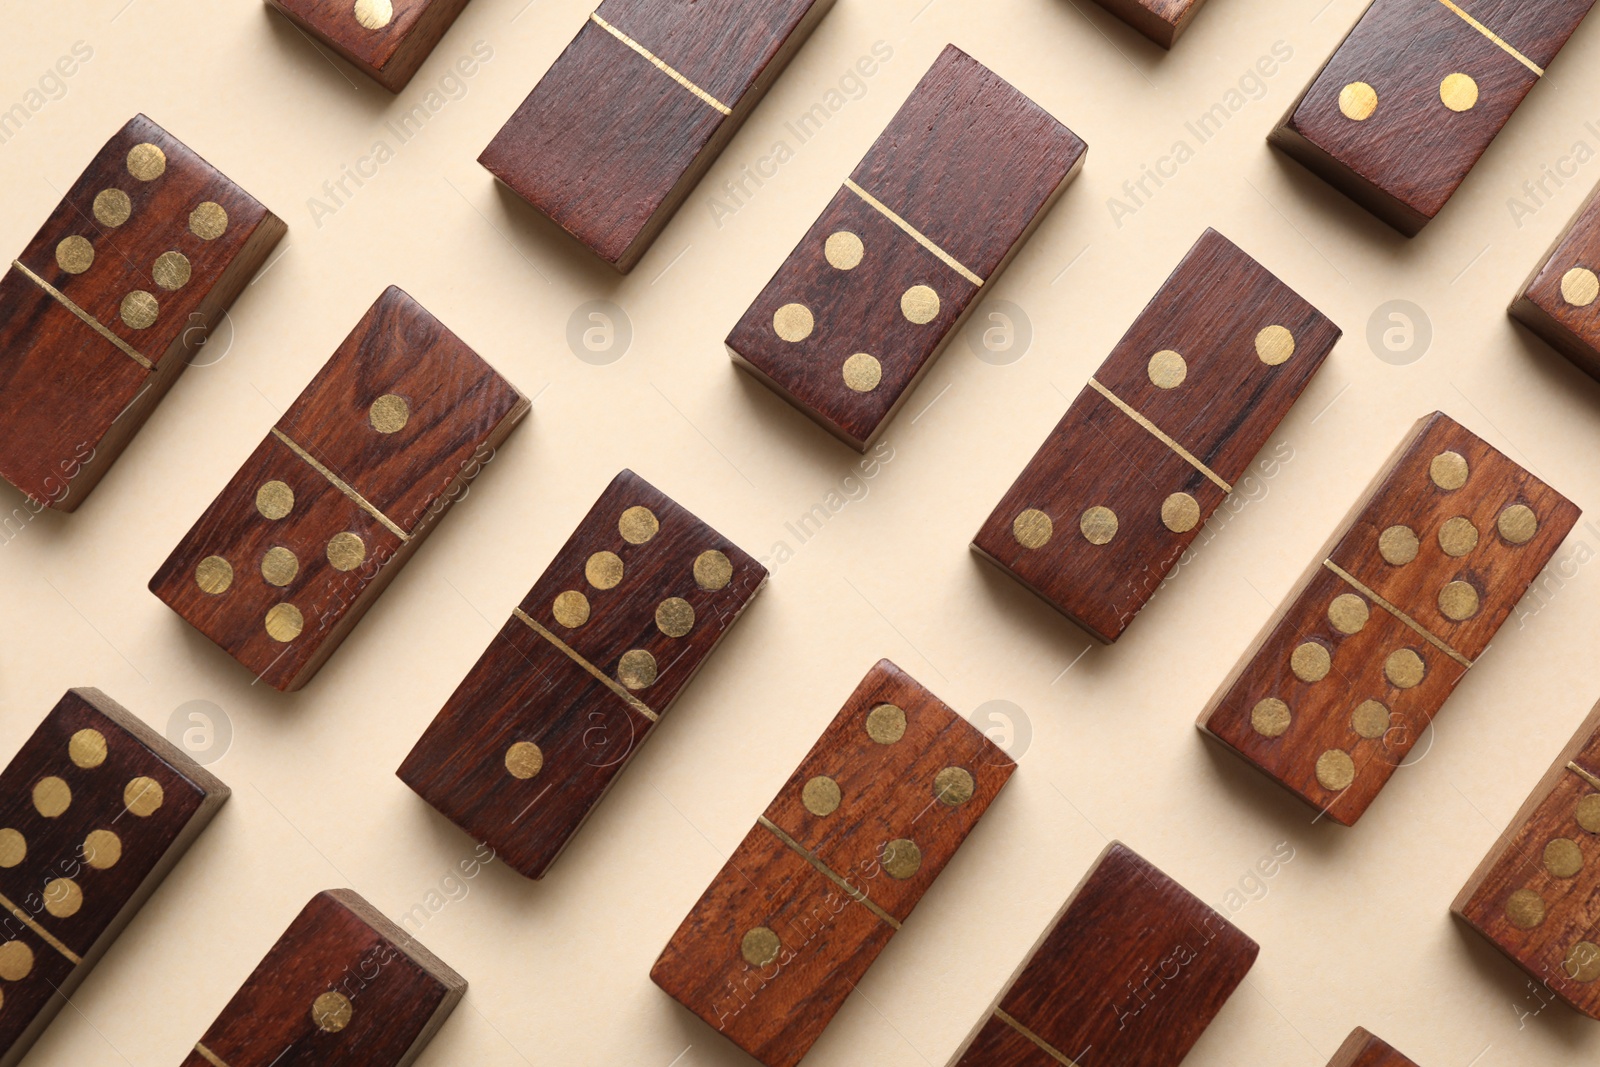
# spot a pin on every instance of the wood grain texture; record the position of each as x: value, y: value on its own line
x: 314, y: 569
x: 95, y: 808
x: 1160, y: 20
x: 1536, y: 895
x: 1370, y: 682
x: 1556, y: 303
x: 971, y: 165
x: 1407, y: 158
x: 70, y: 397
x: 343, y: 987
x: 1363, y: 1049
x: 1130, y: 973
x: 608, y: 145
x: 608, y: 597
x: 833, y: 867
x: 1212, y: 311
x: 400, y: 37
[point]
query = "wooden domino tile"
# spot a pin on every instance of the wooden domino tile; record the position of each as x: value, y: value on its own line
x: 1363, y: 1049
x: 641, y: 103
x: 1160, y: 20
x: 1415, y: 94
x: 1389, y: 618
x: 1561, y: 299
x: 589, y: 661
x: 343, y: 987
x: 339, y: 494
x: 833, y: 868
x: 118, y: 288
x: 95, y: 809
x: 890, y: 270
x: 387, y: 40
x: 1536, y: 896
x: 1131, y: 972
x: 1155, y: 442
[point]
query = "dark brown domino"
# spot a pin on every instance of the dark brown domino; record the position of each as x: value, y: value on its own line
x: 1389, y: 617
x: 1363, y: 1049
x: 594, y: 655
x: 340, y: 493
x: 343, y: 987
x: 103, y: 309
x: 95, y: 809
x: 1158, y: 438
x: 1536, y: 895
x: 885, y: 277
x: 833, y: 868
x: 1411, y: 99
x: 1160, y: 20
x: 1561, y: 299
x: 644, y: 99
x: 1131, y: 972
x: 387, y: 40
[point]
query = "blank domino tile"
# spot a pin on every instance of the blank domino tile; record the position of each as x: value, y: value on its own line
x: 1536, y: 895
x: 1561, y: 299
x: 117, y: 290
x: 570, y: 688
x: 1155, y: 442
x: 1363, y: 1049
x: 339, y: 494
x: 387, y: 40
x: 1160, y: 20
x: 1389, y: 618
x: 1402, y: 111
x: 833, y: 868
x: 1096, y: 989
x: 887, y: 274
x: 96, y: 808
x: 343, y: 987
x: 644, y: 99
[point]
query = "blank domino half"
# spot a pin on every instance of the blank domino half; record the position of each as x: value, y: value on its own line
x: 1130, y: 974
x: 643, y: 100
x: 1364, y: 1049
x: 1160, y: 20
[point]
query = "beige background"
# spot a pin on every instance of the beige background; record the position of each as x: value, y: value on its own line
x: 1353, y: 931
